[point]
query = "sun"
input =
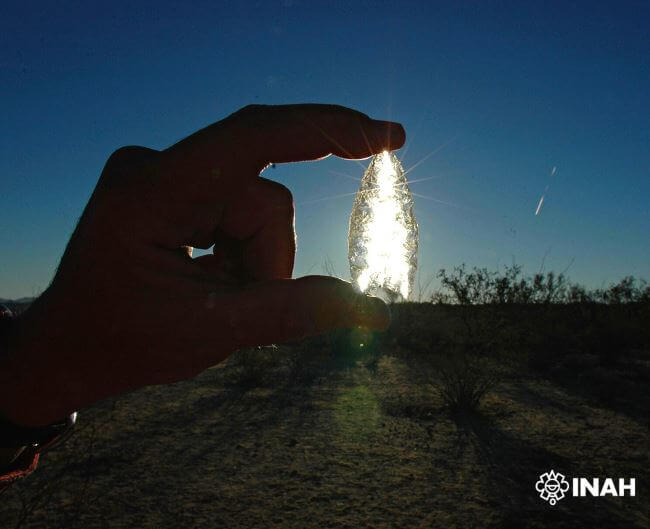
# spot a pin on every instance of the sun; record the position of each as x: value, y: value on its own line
x: 383, y: 234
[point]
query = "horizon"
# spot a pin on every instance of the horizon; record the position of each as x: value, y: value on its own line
x: 527, y: 126
x: 634, y: 291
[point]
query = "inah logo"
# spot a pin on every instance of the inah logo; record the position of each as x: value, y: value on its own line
x: 552, y: 486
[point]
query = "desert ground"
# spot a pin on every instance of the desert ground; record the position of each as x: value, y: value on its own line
x: 446, y: 420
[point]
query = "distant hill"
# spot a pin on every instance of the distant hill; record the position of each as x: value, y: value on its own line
x: 19, y: 301
x: 17, y: 305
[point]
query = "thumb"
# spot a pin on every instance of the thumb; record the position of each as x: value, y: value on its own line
x: 288, y: 309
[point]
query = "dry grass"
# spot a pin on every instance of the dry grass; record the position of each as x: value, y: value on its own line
x: 315, y: 441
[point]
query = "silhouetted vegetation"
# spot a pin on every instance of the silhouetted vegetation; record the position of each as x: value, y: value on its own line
x: 480, y: 286
x: 593, y: 341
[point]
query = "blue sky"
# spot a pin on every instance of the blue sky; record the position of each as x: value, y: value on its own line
x: 508, y: 90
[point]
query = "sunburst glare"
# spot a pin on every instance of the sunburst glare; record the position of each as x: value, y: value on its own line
x: 383, y: 236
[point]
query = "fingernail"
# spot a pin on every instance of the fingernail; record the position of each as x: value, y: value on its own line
x: 396, y: 134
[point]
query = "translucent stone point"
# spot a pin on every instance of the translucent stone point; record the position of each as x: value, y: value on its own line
x: 383, y: 233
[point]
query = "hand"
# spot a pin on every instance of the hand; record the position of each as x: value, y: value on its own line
x: 129, y: 306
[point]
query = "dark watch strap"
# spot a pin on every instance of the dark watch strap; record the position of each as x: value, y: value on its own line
x: 13, y: 435
x: 21, y: 446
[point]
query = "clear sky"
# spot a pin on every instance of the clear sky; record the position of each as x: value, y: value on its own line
x: 505, y: 90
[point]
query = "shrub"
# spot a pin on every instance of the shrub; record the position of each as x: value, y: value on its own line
x: 464, y: 381
x: 253, y: 366
x: 479, y: 286
x: 306, y: 363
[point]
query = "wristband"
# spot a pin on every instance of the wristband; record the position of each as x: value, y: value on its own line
x: 13, y: 435
x: 27, y: 442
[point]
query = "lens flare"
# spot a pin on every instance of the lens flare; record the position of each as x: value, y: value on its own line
x: 383, y: 236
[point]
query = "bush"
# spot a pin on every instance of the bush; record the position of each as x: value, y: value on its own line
x: 464, y: 381
x: 306, y: 363
x: 254, y: 366
x: 479, y: 286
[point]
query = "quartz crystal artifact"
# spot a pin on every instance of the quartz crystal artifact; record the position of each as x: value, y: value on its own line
x: 383, y: 235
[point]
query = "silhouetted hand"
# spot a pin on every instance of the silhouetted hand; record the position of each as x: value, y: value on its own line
x: 129, y: 306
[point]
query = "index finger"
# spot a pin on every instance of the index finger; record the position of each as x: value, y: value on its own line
x: 258, y: 135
